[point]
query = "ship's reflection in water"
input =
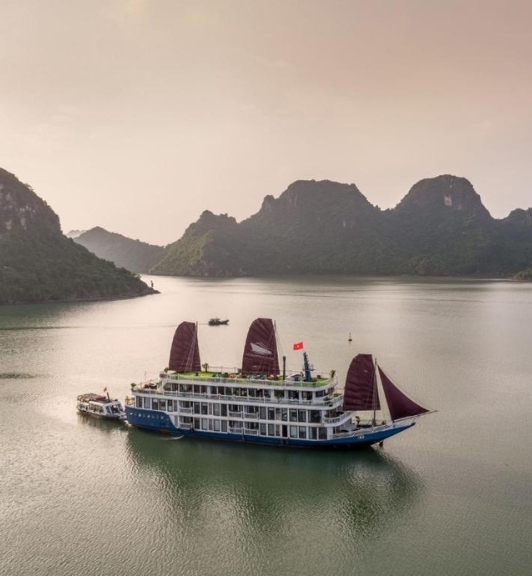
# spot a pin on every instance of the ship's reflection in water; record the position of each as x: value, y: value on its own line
x: 236, y: 508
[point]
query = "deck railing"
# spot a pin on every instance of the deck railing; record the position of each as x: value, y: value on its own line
x: 236, y: 429
x: 233, y: 414
x: 241, y: 381
x: 333, y: 402
x: 338, y: 419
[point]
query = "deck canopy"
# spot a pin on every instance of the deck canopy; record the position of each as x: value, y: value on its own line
x: 184, y: 354
x: 399, y: 404
x: 260, y: 352
x: 361, y: 385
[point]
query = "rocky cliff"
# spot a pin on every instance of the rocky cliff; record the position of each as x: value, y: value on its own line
x: 440, y: 227
x: 39, y: 264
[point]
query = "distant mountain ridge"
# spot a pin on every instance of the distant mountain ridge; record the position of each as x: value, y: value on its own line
x: 133, y: 255
x: 440, y: 227
x: 39, y: 264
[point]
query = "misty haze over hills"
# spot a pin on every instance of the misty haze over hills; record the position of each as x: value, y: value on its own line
x: 439, y: 228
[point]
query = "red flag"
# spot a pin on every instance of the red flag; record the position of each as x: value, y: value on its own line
x: 298, y: 346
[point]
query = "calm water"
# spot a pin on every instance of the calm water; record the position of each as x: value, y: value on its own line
x: 452, y: 496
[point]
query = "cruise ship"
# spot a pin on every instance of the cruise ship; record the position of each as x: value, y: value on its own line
x: 260, y: 402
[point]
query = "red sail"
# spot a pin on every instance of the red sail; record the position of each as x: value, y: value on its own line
x: 360, y: 385
x: 260, y: 353
x: 184, y: 355
x: 399, y: 404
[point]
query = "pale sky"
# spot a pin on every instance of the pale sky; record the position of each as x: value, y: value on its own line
x: 137, y: 115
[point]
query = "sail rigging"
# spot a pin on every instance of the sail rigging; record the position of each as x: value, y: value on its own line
x: 184, y: 354
x: 399, y: 404
x: 260, y: 351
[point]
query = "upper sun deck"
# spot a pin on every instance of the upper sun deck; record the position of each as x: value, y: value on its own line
x: 295, y: 381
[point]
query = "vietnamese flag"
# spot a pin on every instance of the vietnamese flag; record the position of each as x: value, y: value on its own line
x: 298, y: 346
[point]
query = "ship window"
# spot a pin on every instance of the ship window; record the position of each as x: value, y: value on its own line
x: 170, y: 404
x: 271, y: 413
x: 147, y: 403
x: 284, y: 413
x: 155, y: 404
x: 301, y: 415
x: 138, y: 402
x: 303, y: 432
x: 313, y: 433
x: 293, y: 431
x: 323, y: 433
x: 278, y: 429
x: 293, y: 415
x: 315, y: 416
x: 224, y: 425
x: 197, y: 407
x: 204, y: 424
x: 262, y: 413
x: 197, y: 423
x: 224, y: 409
x: 217, y: 425
x: 197, y: 389
x: 204, y: 408
x: 271, y: 429
x: 263, y: 429
x: 216, y: 409
x: 319, y: 393
x: 162, y: 404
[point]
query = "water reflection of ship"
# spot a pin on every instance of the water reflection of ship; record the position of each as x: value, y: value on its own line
x: 101, y: 424
x: 266, y: 489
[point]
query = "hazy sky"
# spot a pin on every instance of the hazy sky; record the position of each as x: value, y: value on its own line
x: 137, y: 115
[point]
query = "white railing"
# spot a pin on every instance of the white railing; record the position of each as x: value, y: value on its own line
x: 235, y: 414
x: 251, y: 415
x: 338, y: 419
x: 251, y: 432
x: 236, y: 429
x: 185, y: 426
x: 182, y: 410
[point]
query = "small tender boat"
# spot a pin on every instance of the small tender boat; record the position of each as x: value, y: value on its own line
x: 100, y: 406
x: 218, y: 322
x: 261, y: 403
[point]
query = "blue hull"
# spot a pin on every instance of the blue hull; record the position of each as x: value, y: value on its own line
x: 160, y: 422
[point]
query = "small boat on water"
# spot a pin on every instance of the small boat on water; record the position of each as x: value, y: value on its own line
x: 218, y: 322
x: 262, y: 403
x: 100, y: 406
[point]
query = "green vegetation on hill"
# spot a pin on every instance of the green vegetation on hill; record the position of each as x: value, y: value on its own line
x: 439, y: 228
x: 38, y: 263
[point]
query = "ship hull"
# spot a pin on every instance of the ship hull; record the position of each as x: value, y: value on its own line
x: 161, y: 423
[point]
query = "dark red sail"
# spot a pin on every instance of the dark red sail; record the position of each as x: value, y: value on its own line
x: 184, y: 355
x: 399, y: 404
x: 260, y: 352
x: 360, y: 385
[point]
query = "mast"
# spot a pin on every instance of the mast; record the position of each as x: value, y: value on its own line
x: 375, y: 392
x: 306, y: 367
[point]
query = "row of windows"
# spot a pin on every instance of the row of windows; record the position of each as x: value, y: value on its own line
x: 273, y: 430
x: 213, y: 409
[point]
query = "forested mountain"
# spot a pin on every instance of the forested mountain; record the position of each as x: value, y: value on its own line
x: 38, y: 263
x: 133, y: 255
x: 439, y: 228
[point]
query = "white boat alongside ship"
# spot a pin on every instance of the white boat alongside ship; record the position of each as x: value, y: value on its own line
x: 100, y: 406
x: 262, y: 403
